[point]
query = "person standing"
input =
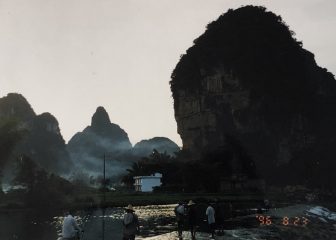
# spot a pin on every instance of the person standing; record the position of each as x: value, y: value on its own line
x: 219, y: 217
x: 179, y: 213
x: 130, y: 224
x: 210, y: 213
x: 70, y: 228
x: 192, y: 219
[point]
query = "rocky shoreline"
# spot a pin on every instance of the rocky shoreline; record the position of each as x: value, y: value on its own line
x: 296, y: 222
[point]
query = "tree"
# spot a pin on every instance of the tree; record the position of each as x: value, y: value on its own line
x: 10, y: 135
x: 80, y: 178
x: 155, y: 162
x: 26, y: 173
x: 42, y: 189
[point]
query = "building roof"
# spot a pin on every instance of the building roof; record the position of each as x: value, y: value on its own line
x: 156, y: 175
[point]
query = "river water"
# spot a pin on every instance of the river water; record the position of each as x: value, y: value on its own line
x: 156, y: 220
x: 26, y: 225
x: 97, y: 224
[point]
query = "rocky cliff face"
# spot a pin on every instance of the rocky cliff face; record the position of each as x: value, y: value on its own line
x: 43, y: 141
x: 248, y: 79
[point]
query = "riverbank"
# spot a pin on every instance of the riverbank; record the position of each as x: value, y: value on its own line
x: 142, y: 199
x: 158, y: 223
x: 96, y: 199
x: 296, y: 222
x: 88, y: 198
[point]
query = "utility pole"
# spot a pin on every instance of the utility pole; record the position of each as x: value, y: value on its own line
x: 104, y: 179
x: 104, y: 196
x: 106, y: 157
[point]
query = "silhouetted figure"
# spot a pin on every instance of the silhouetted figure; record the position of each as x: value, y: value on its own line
x: 192, y: 219
x: 180, y: 215
x: 267, y: 204
x: 130, y: 224
x: 231, y: 211
x: 70, y: 229
x: 210, y: 213
x: 219, y: 217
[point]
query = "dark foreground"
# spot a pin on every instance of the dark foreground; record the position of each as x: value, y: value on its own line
x: 157, y: 221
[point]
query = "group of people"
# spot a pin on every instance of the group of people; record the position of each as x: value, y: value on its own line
x: 71, y: 230
x: 186, y: 216
x: 184, y: 213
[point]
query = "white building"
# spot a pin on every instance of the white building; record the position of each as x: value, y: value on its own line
x: 147, y: 183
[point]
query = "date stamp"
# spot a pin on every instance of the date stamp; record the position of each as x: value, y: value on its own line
x: 285, y: 221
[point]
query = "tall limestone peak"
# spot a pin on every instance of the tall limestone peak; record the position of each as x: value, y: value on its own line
x: 14, y: 105
x: 100, y: 118
x: 247, y: 80
x: 42, y: 141
x: 102, y: 126
x: 87, y: 147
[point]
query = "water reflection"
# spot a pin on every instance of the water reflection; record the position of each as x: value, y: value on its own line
x: 42, y: 225
x: 26, y: 225
x: 97, y: 224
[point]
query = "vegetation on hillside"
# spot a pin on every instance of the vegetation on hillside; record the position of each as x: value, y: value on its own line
x: 184, y: 174
x: 41, y: 189
x: 10, y: 135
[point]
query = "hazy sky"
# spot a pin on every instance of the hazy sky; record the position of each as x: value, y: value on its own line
x: 68, y: 57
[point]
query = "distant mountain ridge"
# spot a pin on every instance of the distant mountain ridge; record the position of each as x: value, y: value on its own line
x: 161, y: 144
x: 43, y: 141
x: 88, y: 147
x: 85, y: 150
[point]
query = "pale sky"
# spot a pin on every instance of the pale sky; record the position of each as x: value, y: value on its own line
x: 68, y: 57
